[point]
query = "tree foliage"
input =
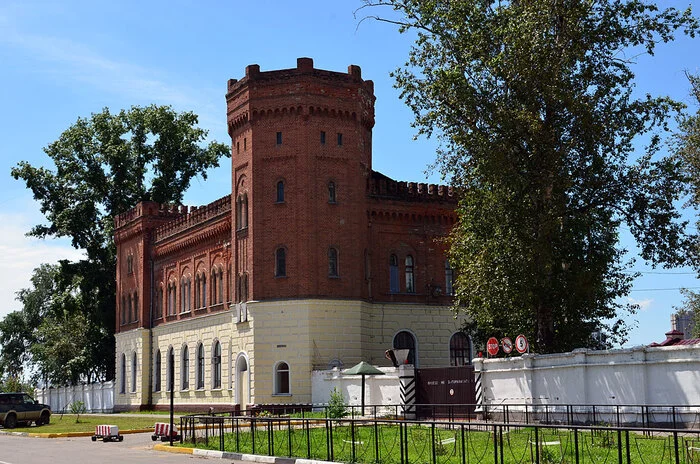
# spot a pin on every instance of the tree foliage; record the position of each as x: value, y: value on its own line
x: 535, y: 107
x: 104, y: 165
x: 690, y: 308
x: 687, y: 140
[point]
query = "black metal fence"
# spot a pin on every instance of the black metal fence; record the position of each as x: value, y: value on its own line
x: 381, y: 441
x: 645, y: 416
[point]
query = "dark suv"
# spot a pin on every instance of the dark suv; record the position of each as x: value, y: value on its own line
x: 20, y: 408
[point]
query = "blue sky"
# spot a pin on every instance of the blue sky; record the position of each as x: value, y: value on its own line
x: 64, y: 60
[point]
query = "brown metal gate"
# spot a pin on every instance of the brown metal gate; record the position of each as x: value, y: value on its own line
x: 445, y: 391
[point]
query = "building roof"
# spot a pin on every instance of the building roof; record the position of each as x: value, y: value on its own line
x: 675, y: 338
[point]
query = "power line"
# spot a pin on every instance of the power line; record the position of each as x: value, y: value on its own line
x: 662, y: 289
x: 660, y: 272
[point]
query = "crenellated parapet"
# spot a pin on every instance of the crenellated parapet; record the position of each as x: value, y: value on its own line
x: 266, y: 94
x: 147, y: 209
x: 192, y: 216
x: 382, y: 186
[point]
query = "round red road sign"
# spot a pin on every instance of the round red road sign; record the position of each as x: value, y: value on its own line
x: 521, y: 343
x: 492, y: 346
x: 507, y: 345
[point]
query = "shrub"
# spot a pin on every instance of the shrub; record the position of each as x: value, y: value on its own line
x: 77, y: 408
x: 337, y: 407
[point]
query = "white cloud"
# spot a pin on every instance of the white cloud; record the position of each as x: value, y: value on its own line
x: 78, y: 63
x: 644, y: 305
x: 20, y: 255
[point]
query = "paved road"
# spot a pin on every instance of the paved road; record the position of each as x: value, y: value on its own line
x: 136, y: 448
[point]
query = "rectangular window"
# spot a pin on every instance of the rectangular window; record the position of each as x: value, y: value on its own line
x: 238, y: 147
x: 340, y: 139
x: 323, y: 137
x: 245, y: 144
x: 279, y: 138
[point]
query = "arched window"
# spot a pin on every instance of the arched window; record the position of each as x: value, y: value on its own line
x: 405, y: 340
x: 185, y: 369
x: 449, y: 278
x: 197, y: 288
x: 156, y: 372
x: 410, y: 283
x: 186, y: 294
x: 331, y: 192
x: 200, y: 367
x: 133, y: 372
x: 220, y: 283
x: 129, y: 303
x: 170, y: 369
x: 242, y: 212
x: 460, y: 350
x: 203, y: 281
x: 122, y: 384
x: 332, y: 262
x: 160, y: 302
x: 136, y: 306
x: 123, y: 310
x: 280, y: 262
x: 281, y: 382
x: 171, y: 298
x: 216, y: 365
x: 213, y: 285
x: 393, y: 274
x: 280, y: 191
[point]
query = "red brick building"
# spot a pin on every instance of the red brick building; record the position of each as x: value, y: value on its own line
x: 313, y: 261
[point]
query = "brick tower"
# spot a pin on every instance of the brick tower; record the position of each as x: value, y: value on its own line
x: 302, y: 154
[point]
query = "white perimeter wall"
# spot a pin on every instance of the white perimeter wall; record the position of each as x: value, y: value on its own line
x: 97, y: 397
x: 643, y: 375
x: 379, y: 389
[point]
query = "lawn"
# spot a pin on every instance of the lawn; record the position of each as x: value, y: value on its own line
x: 66, y: 423
x: 382, y: 444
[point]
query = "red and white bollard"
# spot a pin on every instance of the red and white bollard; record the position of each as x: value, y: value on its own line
x: 107, y: 433
x: 162, y: 431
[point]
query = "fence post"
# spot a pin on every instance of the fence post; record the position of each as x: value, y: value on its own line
x: 376, y: 441
x: 352, y: 439
x: 221, y: 434
x: 537, y: 444
x: 495, y: 445
x: 619, y: 446
x: 675, y: 446
x: 308, y: 439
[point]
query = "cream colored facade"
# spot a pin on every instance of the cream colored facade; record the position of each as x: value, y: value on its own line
x: 306, y: 334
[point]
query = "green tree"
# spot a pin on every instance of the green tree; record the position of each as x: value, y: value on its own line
x: 18, y: 330
x: 104, y: 165
x: 690, y: 307
x: 687, y: 140
x: 533, y: 102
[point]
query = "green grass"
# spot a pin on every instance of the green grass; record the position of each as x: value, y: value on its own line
x: 66, y: 423
x: 381, y: 445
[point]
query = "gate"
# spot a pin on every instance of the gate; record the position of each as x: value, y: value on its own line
x: 445, y: 392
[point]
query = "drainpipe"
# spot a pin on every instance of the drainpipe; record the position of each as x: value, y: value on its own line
x: 150, y: 340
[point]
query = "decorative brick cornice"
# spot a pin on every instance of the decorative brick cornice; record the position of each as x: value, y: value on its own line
x: 190, y: 238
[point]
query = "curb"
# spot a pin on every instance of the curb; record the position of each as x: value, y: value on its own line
x: 70, y: 434
x: 237, y: 456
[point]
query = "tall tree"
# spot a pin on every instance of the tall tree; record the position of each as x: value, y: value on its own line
x: 105, y: 164
x: 18, y: 328
x: 533, y: 102
x: 687, y: 146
